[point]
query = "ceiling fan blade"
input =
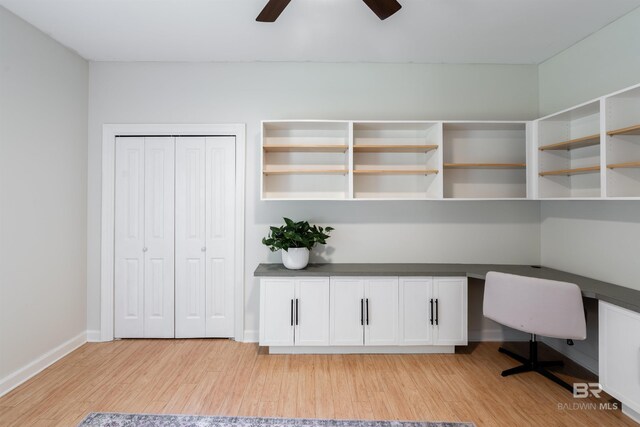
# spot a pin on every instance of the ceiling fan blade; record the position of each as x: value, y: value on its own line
x: 272, y: 10
x: 383, y: 8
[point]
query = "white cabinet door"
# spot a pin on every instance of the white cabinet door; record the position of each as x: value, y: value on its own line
x: 220, y: 238
x: 312, y: 312
x: 277, y: 298
x: 416, y: 310
x: 381, y: 311
x: 619, y: 349
x: 347, y: 311
x: 450, y: 295
x: 190, y: 307
x: 129, y: 239
x: 159, y: 243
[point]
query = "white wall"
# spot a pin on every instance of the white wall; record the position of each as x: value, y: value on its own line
x: 596, y: 239
x: 43, y: 157
x: 604, y: 62
x: 506, y: 232
x: 599, y: 239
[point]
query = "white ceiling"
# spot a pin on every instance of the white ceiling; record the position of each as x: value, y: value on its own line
x: 429, y: 31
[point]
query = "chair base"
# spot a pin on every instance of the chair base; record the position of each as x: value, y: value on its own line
x: 533, y: 365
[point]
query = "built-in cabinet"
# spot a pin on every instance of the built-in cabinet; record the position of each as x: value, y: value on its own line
x: 619, y: 355
x: 294, y: 311
x: 590, y: 151
x: 431, y: 313
x: 364, y: 313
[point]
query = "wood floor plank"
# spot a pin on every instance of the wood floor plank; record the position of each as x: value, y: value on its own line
x: 229, y: 378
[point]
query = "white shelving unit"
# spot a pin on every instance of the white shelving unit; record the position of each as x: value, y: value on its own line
x: 590, y: 151
x: 622, y: 147
x: 569, y: 153
x: 397, y: 160
x: 485, y: 160
x: 393, y: 160
x: 305, y: 160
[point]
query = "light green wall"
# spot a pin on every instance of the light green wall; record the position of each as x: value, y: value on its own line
x: 43, y: 200
x: 595, y: 239
x: 604, y: 62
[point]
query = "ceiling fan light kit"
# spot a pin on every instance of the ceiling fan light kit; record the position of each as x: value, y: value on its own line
x: 382, y: 8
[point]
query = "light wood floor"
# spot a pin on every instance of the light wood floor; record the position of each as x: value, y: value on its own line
x: 229, y: 378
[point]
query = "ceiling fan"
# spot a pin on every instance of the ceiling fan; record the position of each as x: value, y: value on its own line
x: 382, y: 8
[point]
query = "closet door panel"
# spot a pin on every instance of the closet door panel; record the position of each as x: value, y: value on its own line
x: 129, y: 239
x: 190, y: 295
x: 159, y: 237
x: 220, y: 238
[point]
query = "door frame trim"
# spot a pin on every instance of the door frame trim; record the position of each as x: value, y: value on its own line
x: 107, y: 234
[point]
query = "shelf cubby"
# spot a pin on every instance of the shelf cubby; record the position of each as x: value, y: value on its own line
x: 485, y: 160
x: 395, y: 172
x: 485, y: 165
x: 305, y: 148
x: 569, y: 147
x: 305, y: 159
x: 585, y: 141
x: 397, y: 160
x: 623, y: 143
x: 569, y: 172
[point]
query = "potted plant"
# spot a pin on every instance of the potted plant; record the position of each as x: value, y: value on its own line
x: 295, y: 239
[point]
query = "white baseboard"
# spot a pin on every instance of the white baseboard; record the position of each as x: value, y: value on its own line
x: 635, y: 416
x: 93, y: 335
x: 577, y: 356
x: 251, y: 335
x: 496, y: 335
x: 21, y: 375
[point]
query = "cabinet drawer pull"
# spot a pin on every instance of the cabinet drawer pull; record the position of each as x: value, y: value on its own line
x: 367, y: 311
x: 297, y: 312
x: 291, y: 312
x: 362, y: 311
x: 431, y: 311
x: 436, y: 311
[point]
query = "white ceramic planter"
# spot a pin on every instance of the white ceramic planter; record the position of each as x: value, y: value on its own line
x: 295, y: 258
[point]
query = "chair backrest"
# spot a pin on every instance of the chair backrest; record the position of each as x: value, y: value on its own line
x: 537, y: 306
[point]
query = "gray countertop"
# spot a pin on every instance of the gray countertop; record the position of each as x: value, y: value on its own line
x: 591, y: 288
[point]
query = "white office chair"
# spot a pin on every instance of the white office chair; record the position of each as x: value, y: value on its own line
x: 539, y: 307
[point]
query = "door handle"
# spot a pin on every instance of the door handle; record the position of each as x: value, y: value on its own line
x: 291, y: 312
x: 367, y: 311
x: 436, y: 311
x: 297, y: 311
x: 362, y: 311
x: 431, y: 311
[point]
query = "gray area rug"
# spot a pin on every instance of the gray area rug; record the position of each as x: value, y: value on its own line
x: 103, y: 419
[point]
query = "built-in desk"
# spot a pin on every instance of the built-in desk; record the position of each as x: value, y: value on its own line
x: 591, y: 288
x: 618, y: 319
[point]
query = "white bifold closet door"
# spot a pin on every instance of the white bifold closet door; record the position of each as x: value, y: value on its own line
x: 144, y: 238
x: 205, y: 247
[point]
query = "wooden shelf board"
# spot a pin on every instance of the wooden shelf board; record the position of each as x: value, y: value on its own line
x: 306, y: 171
x: 624, y: 165
x: 395, y: 171
x: 380, y: 148
x: 485, y: 165
x: 585, y: 141
x: 319, y: 148
x: 575, y: 171
x: 630, y: 130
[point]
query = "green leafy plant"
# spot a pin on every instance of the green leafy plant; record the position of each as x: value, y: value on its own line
x: 296, y: 235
